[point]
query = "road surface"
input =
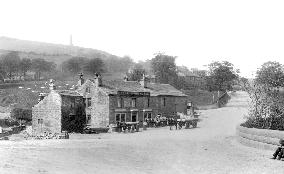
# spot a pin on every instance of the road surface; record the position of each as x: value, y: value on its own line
x: 210, y: 148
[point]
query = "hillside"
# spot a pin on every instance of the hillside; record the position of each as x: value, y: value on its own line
x: 52, y: 52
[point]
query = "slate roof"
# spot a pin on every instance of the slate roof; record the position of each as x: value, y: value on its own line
x: 68, y: 92
x: 155, y: 89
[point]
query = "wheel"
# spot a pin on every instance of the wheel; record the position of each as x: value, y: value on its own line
x: 194, y: 124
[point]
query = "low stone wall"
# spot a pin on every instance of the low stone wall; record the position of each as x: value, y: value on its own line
x: 259, y: 138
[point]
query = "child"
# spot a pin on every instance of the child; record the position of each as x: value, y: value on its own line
x: 279, y: 151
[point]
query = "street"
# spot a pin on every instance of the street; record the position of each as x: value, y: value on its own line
x: 212, y: 147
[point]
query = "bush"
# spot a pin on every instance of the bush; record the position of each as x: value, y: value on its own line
x: 22, y: 114
x: 266, y: 108
x: 8, y: 123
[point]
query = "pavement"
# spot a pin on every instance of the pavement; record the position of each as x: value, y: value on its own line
x: 212, y: 148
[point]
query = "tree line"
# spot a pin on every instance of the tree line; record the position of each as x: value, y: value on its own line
x: 220, y: 76
x: 13, y: 67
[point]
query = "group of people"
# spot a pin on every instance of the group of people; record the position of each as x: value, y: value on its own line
x: 123, y: 127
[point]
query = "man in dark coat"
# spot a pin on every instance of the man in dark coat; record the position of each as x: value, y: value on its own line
x: 279, y: 151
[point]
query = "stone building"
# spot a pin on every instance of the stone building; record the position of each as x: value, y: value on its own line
x: 99, y: 103
x: 58, y: 111
x: 110, y: 101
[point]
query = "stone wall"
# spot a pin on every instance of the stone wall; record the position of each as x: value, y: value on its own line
x: 46, y: 115
x: 99, y: 109
x: 259, y: 138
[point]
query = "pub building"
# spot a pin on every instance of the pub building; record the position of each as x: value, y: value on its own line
x: 109, y: 102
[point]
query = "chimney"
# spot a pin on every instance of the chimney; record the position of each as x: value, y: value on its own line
x: 144, y: 82
x: 51, y: 85
x: 98, y: 80
x: 81, y: 79
x: 41, y: 96
x: 125, y: 79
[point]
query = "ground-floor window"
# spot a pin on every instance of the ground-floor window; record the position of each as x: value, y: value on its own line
x: 134, y: 116
x: 88, y: 119
x: 120, y: 117
x: 40, y: 121
x: 147, y: 115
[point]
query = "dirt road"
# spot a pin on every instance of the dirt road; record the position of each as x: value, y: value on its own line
x: 210, y: 148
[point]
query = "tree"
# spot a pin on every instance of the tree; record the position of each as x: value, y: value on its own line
x: 74, y: 65
x: 270, y: 74
x: 25, y: 66
x: 95, y: 65
x: 115, y: 64
x: 221, y: 76
x: 136, y: 73
x: 2, y: 72
x: 10, y: 62
x: 164, y: 68
x: 40, y: 65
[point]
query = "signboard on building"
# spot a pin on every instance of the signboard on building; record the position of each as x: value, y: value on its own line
x: 128, y: 93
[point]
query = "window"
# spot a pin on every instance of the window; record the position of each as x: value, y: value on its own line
x: 164, y: 101
x: 117, y: 117
x: 39, y: 121
x: 147, y: 115
x: 89, y: 119
x: 88, y: 90
x: 120, y: 102
x: 133, y: 102
x: 72, y: 102
x: 120, y: 117
x: 89, y: 102
x: 148, y: 102
x: 126, y: 102
x: 134, y: 116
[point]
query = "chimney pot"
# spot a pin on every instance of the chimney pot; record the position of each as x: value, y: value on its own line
x: 51, y: 84
x: 81, y: 79
x: 98, y: 80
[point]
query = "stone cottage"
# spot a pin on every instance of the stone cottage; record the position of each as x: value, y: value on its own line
x: 57, y: 111
x: 110, y: 101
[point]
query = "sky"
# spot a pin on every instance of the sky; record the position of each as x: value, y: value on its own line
x: 246, y: 33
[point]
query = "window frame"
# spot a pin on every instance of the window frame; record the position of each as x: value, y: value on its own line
x: 120, y: 102
x: 136, y: 116
x: 88, y: 90
x: 133, y: 102
x: 148, y: 102
x: 88, y: 119
x: 89, y: 102
x: 120, y: 116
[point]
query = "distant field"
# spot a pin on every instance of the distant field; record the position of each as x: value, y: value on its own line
x: 25, y: 95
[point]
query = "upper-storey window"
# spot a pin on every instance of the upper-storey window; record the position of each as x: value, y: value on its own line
x: 163, y: 101
x: 120, y: 103
x: 148, y: 102
x: 88, y: 90
x: 89, y: 102
x: 133, y: 102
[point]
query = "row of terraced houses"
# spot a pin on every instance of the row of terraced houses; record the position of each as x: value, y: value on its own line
x: 101, y: 103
